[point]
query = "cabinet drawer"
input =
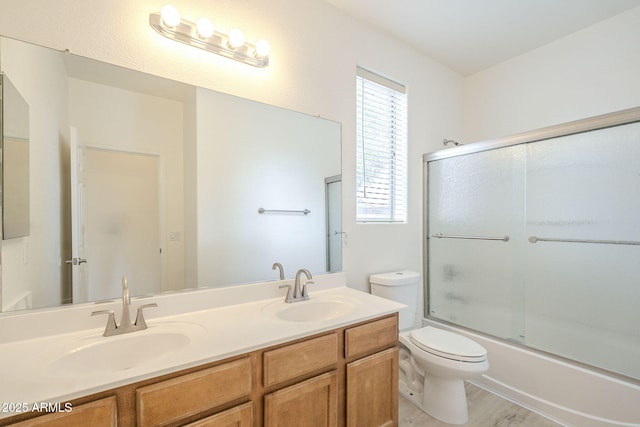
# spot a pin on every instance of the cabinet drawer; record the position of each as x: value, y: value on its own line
x: 238, y: 416
x: 294, y: 360
x: 370, y: 337
x: 101, y: 412
x: 190, y: 394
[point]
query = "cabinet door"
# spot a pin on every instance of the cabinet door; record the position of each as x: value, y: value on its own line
x: 311, y: 403
x: 101, y: 412
x: 372, y: 390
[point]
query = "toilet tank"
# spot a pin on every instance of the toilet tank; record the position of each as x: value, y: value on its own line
x: 402, y: 287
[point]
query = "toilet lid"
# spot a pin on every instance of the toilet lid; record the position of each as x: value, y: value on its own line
x: 448, y: 344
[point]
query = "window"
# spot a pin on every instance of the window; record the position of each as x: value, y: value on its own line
x: 381, y: 153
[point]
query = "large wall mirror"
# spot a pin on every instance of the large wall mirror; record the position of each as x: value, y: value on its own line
x: 171, y: 185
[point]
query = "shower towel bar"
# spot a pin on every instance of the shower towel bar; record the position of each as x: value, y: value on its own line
x: 534, y: 239
x: 445, y: 236
x: 262, y: 210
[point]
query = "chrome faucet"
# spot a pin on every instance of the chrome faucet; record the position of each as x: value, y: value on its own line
x: 279, y: 267
x: 125, y: 321
x: 299, y: 294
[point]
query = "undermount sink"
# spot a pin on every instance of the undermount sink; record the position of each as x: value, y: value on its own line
x: 99, y: 355
x: 312, y: 310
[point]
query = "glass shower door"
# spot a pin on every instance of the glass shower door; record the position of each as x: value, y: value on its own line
x: 583, y: 282
x: 567, y: 281
x: 476, y: 214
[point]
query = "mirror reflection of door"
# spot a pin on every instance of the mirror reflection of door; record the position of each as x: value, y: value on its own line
x: 117, y: 223
x: 334, y: 223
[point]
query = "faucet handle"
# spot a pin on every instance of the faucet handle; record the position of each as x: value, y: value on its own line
x: 111, y: 322
x: 288, y: 298
x: 305, y: 293
x: 140, y: 323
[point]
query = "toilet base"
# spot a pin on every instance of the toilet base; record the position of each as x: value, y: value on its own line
x: 442, y: 399
x: 414, y: 397
x: 437, y: 383
x: 445, y: 399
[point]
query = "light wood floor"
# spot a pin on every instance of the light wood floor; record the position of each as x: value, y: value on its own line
x: 485, y: 410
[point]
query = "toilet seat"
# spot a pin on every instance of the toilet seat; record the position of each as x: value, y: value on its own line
x: 448, y: 345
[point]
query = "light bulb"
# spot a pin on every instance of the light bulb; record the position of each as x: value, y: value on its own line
x: 170, y: 15
x: 262, y: 48
x: 205, y: 28
x: 236, y: 38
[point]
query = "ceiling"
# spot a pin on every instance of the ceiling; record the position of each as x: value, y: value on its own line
x: 471, y: 35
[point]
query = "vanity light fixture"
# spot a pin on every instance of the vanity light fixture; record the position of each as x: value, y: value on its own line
x: 202, y: 34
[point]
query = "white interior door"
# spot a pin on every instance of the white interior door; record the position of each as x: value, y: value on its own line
x: 122, y: 222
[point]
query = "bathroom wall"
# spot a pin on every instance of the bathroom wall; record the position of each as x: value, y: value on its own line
x: 42, y: 81
x: 315, y: 51
x: 590, y: 72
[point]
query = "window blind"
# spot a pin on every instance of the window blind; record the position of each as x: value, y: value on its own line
x: 381, y: 149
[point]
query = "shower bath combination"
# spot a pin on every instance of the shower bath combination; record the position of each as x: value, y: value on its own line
x: 532, y: 241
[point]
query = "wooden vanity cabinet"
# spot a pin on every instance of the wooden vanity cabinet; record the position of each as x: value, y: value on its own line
x: 372, y: 373
x: 347, y: 377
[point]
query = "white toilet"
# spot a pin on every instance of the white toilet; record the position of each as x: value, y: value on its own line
x: 433, y: 362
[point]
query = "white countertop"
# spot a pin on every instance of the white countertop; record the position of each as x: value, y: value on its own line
x: 218, y: 333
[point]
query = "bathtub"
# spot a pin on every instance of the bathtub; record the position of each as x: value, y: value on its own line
x: 563, y: 392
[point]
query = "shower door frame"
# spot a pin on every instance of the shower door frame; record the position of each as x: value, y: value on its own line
x: 604, y: 121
